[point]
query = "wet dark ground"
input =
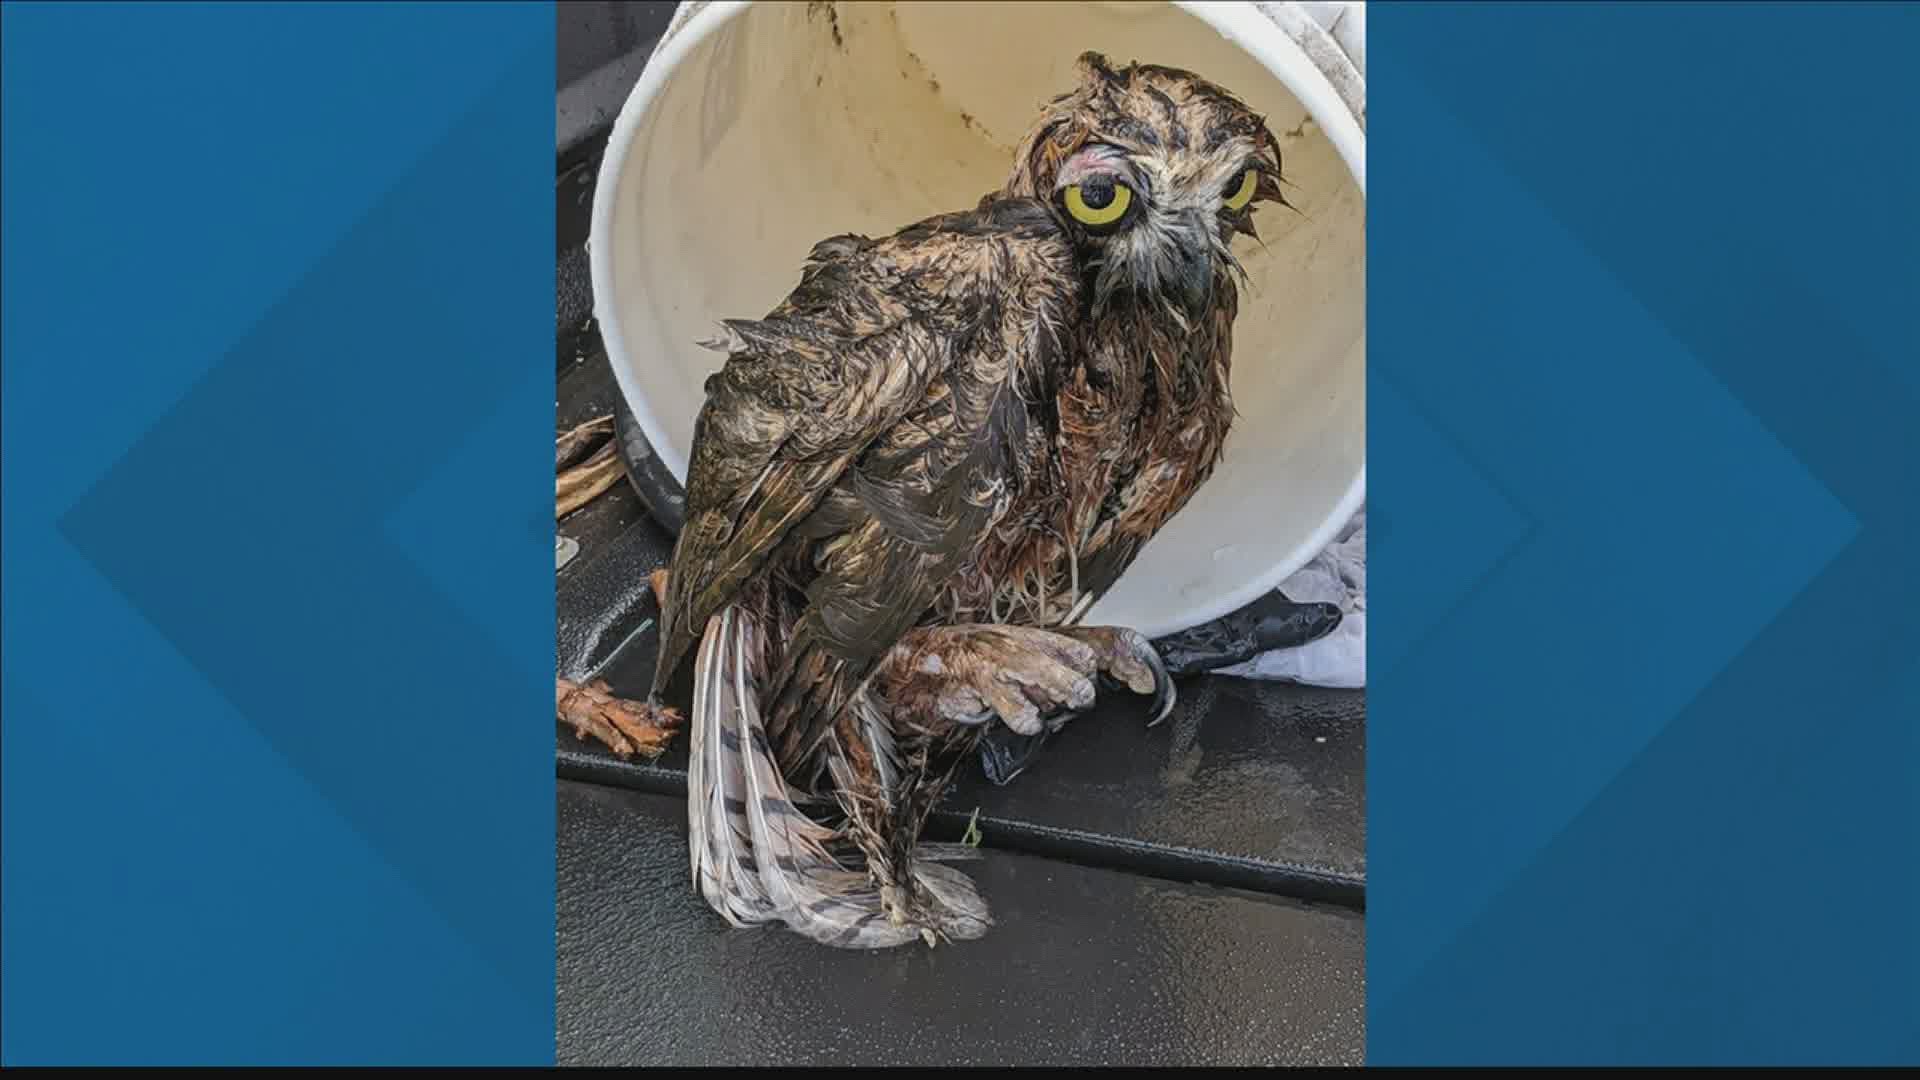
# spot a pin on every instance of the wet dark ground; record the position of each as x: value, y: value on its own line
x: 1086, y: 967
x: 1187, y: 895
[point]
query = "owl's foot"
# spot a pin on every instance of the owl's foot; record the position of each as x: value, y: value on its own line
x: 623, y: 726
x: 1031, y: 680
x: 969, y: 675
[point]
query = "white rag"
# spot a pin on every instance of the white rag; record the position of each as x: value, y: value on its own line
x: 1338, y: 575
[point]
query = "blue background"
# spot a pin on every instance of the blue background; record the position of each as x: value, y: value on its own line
x: 1644, y: 728
x: 278, y: 772
x: 1645, y: 376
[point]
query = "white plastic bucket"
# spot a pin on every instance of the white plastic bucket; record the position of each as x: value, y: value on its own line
x: 758, y: 129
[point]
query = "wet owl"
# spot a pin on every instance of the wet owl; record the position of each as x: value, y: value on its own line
x: 911, y: 480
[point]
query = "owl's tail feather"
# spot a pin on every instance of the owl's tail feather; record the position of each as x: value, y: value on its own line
x: 938, y: 902
x: 756, y: 857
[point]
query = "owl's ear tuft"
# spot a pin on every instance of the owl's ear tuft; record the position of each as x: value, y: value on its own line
x: 1094, y: 67
x: 1037, y: 162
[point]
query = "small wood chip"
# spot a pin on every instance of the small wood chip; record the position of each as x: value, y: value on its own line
x: 573, y: 446
x: 585, y: 482
x: 626, y: 727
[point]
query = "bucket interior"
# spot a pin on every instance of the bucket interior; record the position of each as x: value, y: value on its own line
x: 793, y: 122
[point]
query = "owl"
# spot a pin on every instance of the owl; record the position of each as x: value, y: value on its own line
x: 911, y: 480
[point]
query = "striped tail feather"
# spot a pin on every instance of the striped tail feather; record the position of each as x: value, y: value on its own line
x: 756, y: 857
x: 720, y: 841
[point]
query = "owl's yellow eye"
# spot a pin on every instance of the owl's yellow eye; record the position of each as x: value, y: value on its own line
x: 1099, y: 200
x: 1242, y: 193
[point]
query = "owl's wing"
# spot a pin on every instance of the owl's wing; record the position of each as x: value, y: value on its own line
x: 900, y: 354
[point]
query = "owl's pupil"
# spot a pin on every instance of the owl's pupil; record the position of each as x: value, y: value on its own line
x: 1097, y: 192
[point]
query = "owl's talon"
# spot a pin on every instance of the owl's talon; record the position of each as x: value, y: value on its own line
x: 1129, y: 658
x: 1164, y: 695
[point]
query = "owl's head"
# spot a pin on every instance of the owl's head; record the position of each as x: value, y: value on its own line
x: 1153, y: 170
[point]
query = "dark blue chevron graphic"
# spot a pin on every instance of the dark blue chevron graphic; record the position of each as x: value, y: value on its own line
x: 1623, y: 794
x: 303, y: 467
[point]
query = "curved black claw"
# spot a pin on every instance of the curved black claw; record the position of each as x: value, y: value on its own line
x: 1136, y: 647
x: 1164, y: 695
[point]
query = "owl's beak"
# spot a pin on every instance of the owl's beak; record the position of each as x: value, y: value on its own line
x: 1193, y: 274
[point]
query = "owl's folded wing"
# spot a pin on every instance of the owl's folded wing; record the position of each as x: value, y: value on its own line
x: 893, y: 350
